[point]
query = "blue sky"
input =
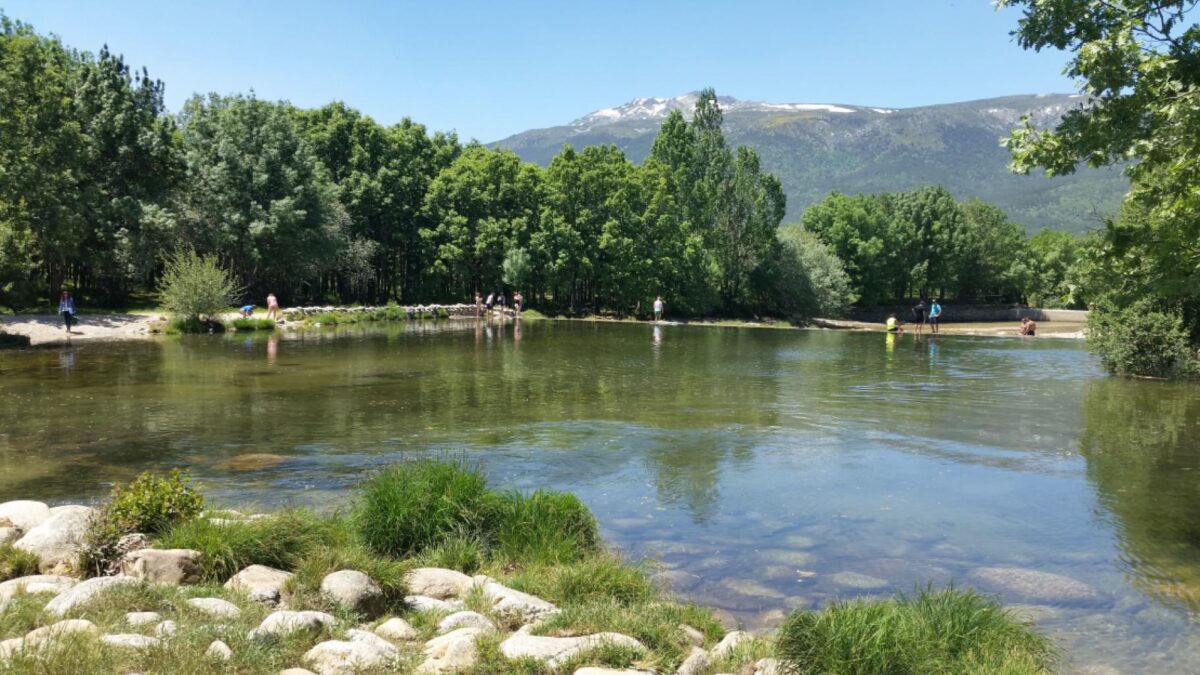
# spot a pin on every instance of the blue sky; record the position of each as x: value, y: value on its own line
x: 490, y: 69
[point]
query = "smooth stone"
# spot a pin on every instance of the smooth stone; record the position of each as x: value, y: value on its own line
x: 693, y: 636
x: 131, y: 641
x: 800, y: 559
x: 752, y: 588
x: 166, y: 629
x: 1032, y: 613
x: 84, y: 591
x: 859, y: 581
x: 453, y: 651
x: 296, y: 671
x: 216, y: 607
x: 9, y: 534
x: 695, y: 663
x: 439, y: 583
x: 353, y: 590
x: 10, y: 647
x: 41, y: 635
x: 59, y: 538
x: 284, y: 622
x: 263, y: 584
x: 464, y: 619
x: 1035, y: 585
x: 24, y: 514
x: 396, y: 629
x: 37, y: 583
x: 422, y: 603
x: 252, y: 462
x: 592, y: 670
x: 509, y: 602
x: 554, y: 651
x: 142, y: 618
x: 364, y: 650
x: 730, y: 642
x: 768, y: 667
x: 163, y: 566
x: 218, y: 651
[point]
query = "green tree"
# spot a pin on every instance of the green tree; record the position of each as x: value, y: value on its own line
x: 994, y: 261
x: 810, y: 279
x: 858, y: 230
x: 195, y: 287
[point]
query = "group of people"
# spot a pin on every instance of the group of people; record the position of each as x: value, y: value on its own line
x: 272, y: 308
x: 497, y: 301
x: 922, y: 314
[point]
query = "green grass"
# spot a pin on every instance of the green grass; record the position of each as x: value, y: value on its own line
x: 947, y: 631
x: 246, y: 324
x: 179, y: 326
x: 282, y: 541
x: 544, y: 527
x: 16, y: 562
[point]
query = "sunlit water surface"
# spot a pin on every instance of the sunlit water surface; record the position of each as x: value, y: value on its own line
x: 759, y: 467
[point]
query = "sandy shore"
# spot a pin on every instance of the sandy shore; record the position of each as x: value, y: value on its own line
x: 45, y: 329
x: 1049, y: 329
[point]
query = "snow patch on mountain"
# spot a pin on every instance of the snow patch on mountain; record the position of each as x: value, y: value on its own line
x: 655, y: 108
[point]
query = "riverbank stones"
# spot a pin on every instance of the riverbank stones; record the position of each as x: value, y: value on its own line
x: 216, y: 607
x: 862, y: 582
x: 438, y: 583
x: 163, y: 566
x: 285, y: 622
x: 23, y: 515
x: 353, y: 590
x: 1035, y: 586
x: 453, y: 651
x: 37, y: 583
x: 218, y: 651
x: 361, y: 651
x: 142, y: 618
x: 57, y: 540
x: 463, y: 620
x: 695, y: 663
x: 263, y: 584
x: 397, y: 629
x: 131, y: 641
x: 554, y: 651
x: 84, y: 592
x: 511, y: 603
x: 730, y: 642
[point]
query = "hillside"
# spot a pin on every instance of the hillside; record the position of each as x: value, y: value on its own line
x: 816, y: 148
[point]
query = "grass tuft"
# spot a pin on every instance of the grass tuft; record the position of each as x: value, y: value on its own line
x: 16, y: 562
x: 947, y: 631
x: 544, y: 527
x: 281, y: 541
x: 244, y: 324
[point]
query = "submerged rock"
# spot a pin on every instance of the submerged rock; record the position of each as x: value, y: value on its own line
x: 1034, y: 585
x: 859, y: 581
x: 253, y: 461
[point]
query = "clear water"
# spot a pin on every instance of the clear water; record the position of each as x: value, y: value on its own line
x: 757, y: 466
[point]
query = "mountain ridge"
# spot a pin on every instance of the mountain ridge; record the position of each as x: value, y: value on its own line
x: 815, y: 148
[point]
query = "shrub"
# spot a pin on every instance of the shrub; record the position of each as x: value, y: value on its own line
x: 195, y: 287
x: 177, y: 325
x: 415, y: 505
x: 151, y: 503
x: 948, y: 631
x: 244, y: 323
x: 281, y: 541
x: 1140, y: 339
x: 13, y: 340
x: 546, y: 527
x: 16, y: 562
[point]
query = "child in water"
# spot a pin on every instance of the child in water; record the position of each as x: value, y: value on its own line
x: 893, y: 326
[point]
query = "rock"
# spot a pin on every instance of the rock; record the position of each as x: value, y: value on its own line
x: 695, y: 663
x: 859, y: 581
x: 396, y: 629
x: 455, y: 650
x: 344, y: 657
x: 1032, y: 613
x: 1033, y: 585
x: 463, y: 620
x: 556, y: 650
x: 10, y: 647
x: 131, y: 641
x: 132, y: 542
x: 58, y: 538
x: 263, y: 584
x: 83, y: 592
x: 38, y: 583
x: 515, y: 604
x: 768, y: 667
x: 353, y: 590
x: 41, y: 635
x: 284, y: 622
x: 24, y: 515
x: 592, y: 670
x: 9, y: 534
x: 142, y: 618
x: 422, y: 603
x: 296, y: 671
x: 693, y: 636
x: 730, y: 642
x: 254, y: 461
x: 163, y: 566
x: 435, y: 582
x: 166, y: 629
x: 218, y: 651
x: 216, y: 607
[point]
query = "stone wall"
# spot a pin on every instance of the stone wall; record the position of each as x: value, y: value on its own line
x: 459, y: 311
x: 952, y: 313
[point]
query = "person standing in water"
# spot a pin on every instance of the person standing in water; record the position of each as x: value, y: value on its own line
x: 500, y: 302
x: 478, y: 303
x: 918, y: 311
x: 66, y: 309
x: 518, y: 300
x: 658, y: 308
x: 935, y: 313
x: 272, y: 307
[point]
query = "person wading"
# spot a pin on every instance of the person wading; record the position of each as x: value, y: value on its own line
x: 66, y: 309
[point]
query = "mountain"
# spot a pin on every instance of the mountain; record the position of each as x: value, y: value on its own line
x: 815, y: 148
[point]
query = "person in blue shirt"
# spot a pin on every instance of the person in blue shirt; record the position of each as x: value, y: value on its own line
x: 247, y: 311
x: 66, y: 309
x: 935, y: 312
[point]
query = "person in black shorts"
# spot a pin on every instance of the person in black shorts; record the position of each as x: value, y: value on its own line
x: 919, y: 311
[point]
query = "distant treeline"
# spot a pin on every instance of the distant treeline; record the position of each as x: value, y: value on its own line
x: 99, y: 184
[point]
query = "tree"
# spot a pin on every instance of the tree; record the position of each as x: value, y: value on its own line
x: 810, y: 280
x: 994, y: 260
x: 194, y: 287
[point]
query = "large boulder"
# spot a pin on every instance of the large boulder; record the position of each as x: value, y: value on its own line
x: 163, y: 566
x: 435, y: 582
x: 363, y: 650
x: 353, y: 590
x: 216, y: 607
x: 554, y: 651
x: 451, y: 652
x: 23, y: 515
x: 263, y: 584
x: 9, y: 534
x: 397, y: 629
x: 514, y: 604
x: 285, y: 622
x: 58, y: 539
x: 84, y: 592
x: 1035, y: 586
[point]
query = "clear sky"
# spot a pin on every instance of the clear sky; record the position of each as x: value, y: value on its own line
x: 488, y: 69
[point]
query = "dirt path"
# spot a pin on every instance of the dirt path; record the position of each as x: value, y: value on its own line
x: 48, y: 329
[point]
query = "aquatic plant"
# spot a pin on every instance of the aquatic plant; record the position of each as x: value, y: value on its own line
x: 934, y: 631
